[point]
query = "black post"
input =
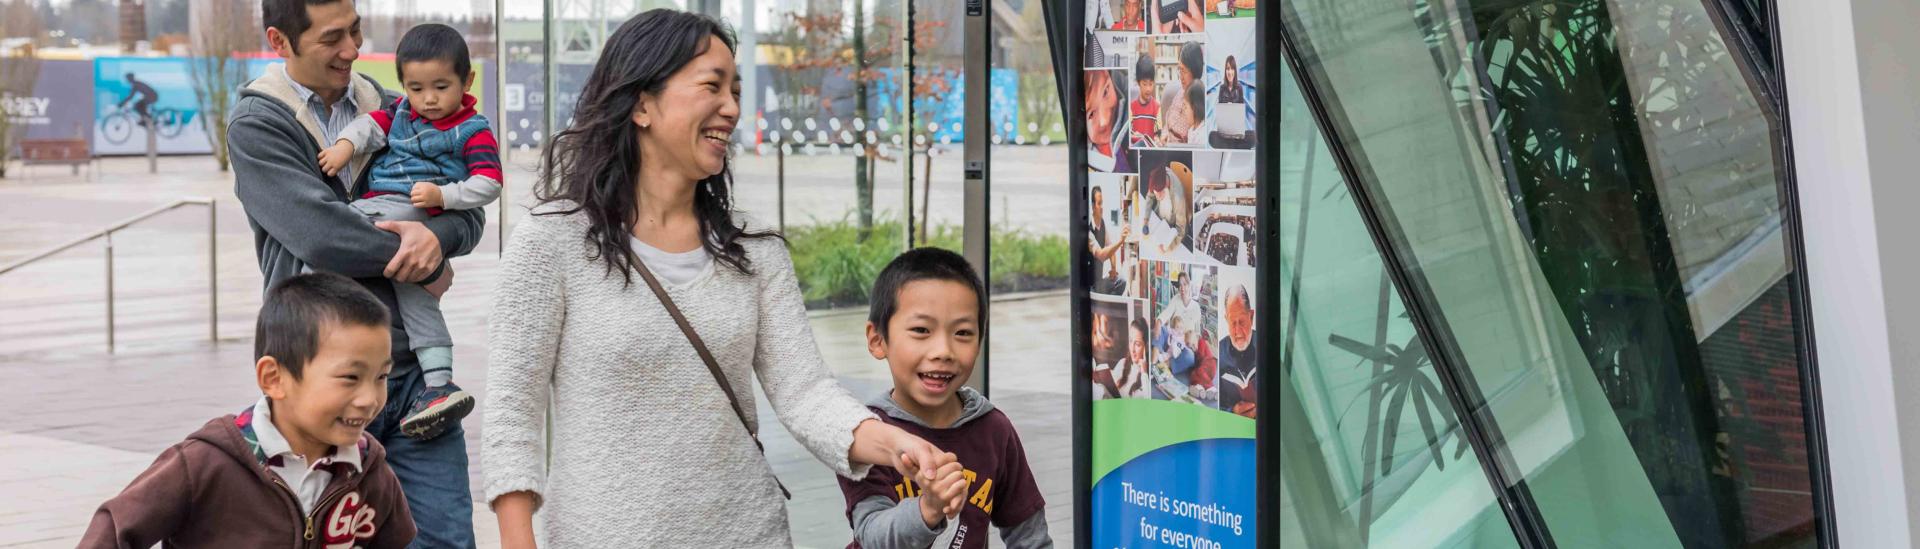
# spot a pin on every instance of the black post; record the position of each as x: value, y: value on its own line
x: 1062, y: 33
x: 1266, y: 319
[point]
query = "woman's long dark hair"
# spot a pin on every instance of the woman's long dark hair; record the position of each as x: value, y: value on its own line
x: 595, y: 163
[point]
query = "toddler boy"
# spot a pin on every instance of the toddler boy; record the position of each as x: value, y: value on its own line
x: 440, y: 156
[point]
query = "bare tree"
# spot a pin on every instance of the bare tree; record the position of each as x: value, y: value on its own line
x: 223, y: 28
x: 19, y: 69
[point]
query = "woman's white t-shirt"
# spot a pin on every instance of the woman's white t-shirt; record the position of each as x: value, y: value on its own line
x: 674, y: 269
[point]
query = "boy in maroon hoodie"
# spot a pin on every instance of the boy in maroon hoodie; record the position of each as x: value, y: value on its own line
x: 925, y: 321
x: 295, y: 469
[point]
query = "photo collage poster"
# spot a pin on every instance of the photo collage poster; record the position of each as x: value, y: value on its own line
x: 1170, y: 113
x: 1170, y: 124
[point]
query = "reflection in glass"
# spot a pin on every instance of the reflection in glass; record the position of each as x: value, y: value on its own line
x: 1750, y: 18
x: 1370, y: 444
x: 1028, y: 144
x: 1586, y: 197
x: 523, y: 101
x: 817, y: 149
x: 581, y: 28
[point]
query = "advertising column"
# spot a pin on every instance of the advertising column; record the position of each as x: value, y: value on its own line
x: 1169, y: 88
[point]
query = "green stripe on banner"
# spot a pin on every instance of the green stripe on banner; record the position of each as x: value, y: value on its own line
x: 1127, y: 428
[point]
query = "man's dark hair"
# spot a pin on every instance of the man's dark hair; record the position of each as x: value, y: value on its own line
x: 433, y: 42
x: 916, y: 265
x: 290, y: 16
x: 1143, y: 70
x: 297, y: 308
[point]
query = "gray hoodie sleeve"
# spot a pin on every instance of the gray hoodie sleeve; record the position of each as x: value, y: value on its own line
x: 879, y: 523
x: 281, y: 190
x: 1031, y: 534
x: 364, y: 133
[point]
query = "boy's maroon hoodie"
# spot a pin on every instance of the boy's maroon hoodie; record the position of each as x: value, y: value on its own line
x: 214, y: 490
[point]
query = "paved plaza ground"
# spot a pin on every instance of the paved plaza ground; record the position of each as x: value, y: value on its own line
x: 82, y: 422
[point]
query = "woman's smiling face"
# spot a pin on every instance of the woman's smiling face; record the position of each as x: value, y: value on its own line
x: 689, y: 124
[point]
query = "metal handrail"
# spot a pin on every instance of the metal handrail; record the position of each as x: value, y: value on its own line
x: 213, y: 259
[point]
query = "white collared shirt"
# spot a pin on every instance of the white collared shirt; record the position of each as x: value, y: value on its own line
x: 308, y: 480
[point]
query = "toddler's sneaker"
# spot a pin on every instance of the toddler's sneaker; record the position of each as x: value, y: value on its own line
x: 435, y: 410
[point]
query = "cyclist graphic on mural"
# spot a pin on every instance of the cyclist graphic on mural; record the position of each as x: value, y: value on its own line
x: 137, y: 110
x: 148, y: 96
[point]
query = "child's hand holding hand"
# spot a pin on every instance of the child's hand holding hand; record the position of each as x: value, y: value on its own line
x: 332, y: 158
x: 943, y: 490
x: 427, y: 195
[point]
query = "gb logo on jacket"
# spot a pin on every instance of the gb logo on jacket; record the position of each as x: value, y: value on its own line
x: 350, y: 521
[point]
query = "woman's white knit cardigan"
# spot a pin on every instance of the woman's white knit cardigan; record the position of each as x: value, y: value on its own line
x: 645, y: 450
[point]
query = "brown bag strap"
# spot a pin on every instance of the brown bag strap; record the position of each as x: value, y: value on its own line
x: 706, y: 357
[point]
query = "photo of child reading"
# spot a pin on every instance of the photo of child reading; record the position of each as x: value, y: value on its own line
x: 1145, y: 109
x: 1184, y: 367
x: 1119, y: 350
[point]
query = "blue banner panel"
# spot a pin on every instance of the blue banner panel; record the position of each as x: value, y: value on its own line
x: 1171, y: 497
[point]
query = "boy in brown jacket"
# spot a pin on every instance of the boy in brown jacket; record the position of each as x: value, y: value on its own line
x: 296, y: 469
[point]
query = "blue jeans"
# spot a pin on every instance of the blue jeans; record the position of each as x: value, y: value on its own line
x: 433, y: 472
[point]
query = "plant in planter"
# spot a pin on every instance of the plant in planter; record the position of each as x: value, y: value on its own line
x: 1557, y: 86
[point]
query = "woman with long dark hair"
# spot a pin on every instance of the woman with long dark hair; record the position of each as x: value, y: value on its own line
x: 1231, y: 90
x: 648, y: 443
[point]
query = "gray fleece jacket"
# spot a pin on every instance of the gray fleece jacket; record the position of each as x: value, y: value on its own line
x: 879, y: 522
x: 299, y: 215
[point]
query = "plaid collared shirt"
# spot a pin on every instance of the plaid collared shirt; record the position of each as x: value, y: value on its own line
x: 306, y: 476
x: 330, y: 120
